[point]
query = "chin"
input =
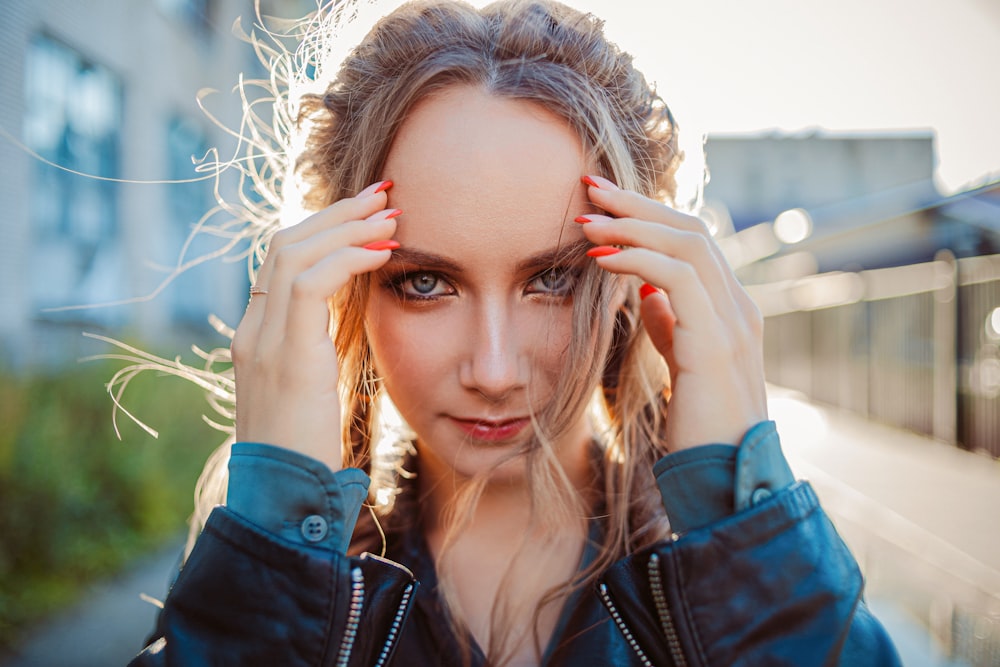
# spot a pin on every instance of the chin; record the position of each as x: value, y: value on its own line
x: 500, y: 463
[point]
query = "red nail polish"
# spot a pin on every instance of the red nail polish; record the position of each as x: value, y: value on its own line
x: 375, y: 188
x: 582, y: 219
x: 599, y: 182
x: 382, y: 245
x: 646, y: 290
x: 603, y: 251
x: 387, y: 214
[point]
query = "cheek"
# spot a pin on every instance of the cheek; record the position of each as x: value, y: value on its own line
x: 403, y: 356
x: 547, y: 344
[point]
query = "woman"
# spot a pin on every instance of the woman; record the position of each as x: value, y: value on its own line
x: 592, y: 479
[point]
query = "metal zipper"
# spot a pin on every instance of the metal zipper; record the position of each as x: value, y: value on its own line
x: 397, y: 623
x: 666, y: 620
x: 620, y: 622
x: 353, y: 617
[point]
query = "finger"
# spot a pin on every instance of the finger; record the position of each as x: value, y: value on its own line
x: 298, y: 257
x: 293, y: 262
x: 744, y: 337
x: 701, y: 250
x: 367, y: 202
x: 625, y: 204
x: 352, y: 208
x: 307, y: 308
x: 725, y: 332
x: 692, y: 307
x: 287, y: 262
x: 686, y: 246
x: 659, y: 320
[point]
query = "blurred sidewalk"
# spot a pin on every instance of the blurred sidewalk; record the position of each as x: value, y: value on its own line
x: 922, y: 517
x: 108, y: 627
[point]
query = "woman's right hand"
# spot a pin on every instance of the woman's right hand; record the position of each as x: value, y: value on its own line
x: 284, y: 359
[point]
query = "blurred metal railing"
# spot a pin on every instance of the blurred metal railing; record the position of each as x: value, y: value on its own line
x: 916, y: 347
x: 953, y: 595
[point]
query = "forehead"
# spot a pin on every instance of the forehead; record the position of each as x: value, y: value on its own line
x: 475, y: 170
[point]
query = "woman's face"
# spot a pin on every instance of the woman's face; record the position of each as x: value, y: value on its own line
x: 470, y: 320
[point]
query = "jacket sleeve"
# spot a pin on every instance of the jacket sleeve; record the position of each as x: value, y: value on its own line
x: 755, y: 573
x: 268, y: 581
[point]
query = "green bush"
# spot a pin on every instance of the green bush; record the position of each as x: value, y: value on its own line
x: 77, y: 503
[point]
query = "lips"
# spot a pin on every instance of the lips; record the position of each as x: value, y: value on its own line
x: 491, y: 430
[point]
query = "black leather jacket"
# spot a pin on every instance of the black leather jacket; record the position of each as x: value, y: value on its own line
x: 771, y: 584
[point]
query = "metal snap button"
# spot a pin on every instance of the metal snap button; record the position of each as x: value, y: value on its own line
x: 759, y: 495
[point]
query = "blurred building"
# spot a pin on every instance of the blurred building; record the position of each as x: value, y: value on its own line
x: 760, y: 175
x: 882, y: 295
x: 107, y: 90
x: 811, y: 203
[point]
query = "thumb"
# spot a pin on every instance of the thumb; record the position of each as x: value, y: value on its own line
x: 659, y: 319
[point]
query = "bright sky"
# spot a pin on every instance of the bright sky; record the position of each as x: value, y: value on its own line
x: 849, y: 65
x: 727, y: 66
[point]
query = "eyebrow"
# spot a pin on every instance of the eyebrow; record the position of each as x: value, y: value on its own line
x: 406, y: 255
x: 554, y: 256
x: 541, y: 260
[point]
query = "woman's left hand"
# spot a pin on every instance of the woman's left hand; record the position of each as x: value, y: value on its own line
x: 703, y: 322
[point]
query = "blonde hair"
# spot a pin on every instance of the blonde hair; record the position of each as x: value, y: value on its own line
x: 541, y: 52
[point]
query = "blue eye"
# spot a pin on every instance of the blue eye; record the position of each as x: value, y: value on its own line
x: 423, y: 283
x: 558, y: 281
x: 420, y: 285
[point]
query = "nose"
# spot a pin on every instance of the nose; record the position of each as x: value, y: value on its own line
x: 494, y: 364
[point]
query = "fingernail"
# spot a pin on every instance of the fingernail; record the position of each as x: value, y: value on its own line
x: 591, y: 217
x: 375, y: 188
x: 385, y: 215
x: 646, y: 290
x: 603, y: 251
x: 382, y: 245
x: 599, y: 182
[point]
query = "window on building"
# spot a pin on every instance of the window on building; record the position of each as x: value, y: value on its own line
x: 196, y: 13
x: 73, y: 115
x: 191, y: 293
